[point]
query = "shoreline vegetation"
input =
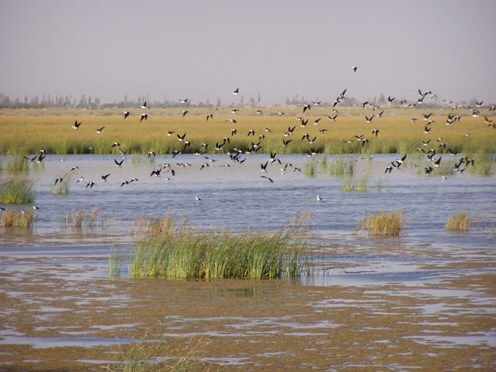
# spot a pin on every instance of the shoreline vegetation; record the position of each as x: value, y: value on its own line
x: 178, y: 251
x: 398, y: 130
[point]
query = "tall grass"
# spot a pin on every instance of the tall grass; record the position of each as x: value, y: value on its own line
x: 483, y: 165
x: 27, y: 131
x: 342, y: 166
x: 79, y: 219
x: 17, y: 164
x: 179, y: 252
x: 17, y: 219
x: 16, y: 191
x: 383, y: 223
x: 311, y: 168
x: 458, y: 222
x: 62, y: 187
x: 354, y: 184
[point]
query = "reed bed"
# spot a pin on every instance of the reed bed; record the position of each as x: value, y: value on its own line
x: 458, y: 222
x: 180, y: 252
x: 16, y: 219
x: 28, y: 131
x: 80, y: 219
x: 342, y: 166
x: 383, y: 223
x: 16, y: 191
x: 62, y: 187
x: 16, y: 164
x: 354, y: 184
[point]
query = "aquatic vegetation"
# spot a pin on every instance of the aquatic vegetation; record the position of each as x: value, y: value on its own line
x: 180, y: 252
x: 17, y: 164
x: 342, y: 166
x: 17, y: 219
x: 16, y: 191
x: 383, y: 223
x: 310, y: 168
x: 355, y: 184
x: 483, y: 165
x: 79, y: 219
x: 458, y: 222
x: 61, y: 187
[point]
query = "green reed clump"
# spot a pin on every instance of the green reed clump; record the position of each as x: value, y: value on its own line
x: 484, y: 165
x: 62, y: 187
x: 17, y: 219
x: 16, y: 191
x: 458, y: 222
x: 342, y: 166
x: 383, y: 223
x: 354, y: 184
x: 179, y: 252
x: 310, y: 168
x: 17, y: 164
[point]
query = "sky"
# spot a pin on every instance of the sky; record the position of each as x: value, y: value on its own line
x: 278, y: 49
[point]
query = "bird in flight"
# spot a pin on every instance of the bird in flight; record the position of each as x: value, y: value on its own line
x: 236, y: 91
x: 76, y: 125
x: 100, y: 130
x: 126, y: 114
x: 355, y: 68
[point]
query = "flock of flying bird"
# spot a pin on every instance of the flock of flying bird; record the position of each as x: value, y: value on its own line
x: 238, y: 156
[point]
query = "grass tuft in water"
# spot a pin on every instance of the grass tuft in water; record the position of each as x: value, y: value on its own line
x: 483, y: 165
x: 458, y: 222
x: 354, y: 184
x: 310, y: 168
x: 342, y: 166
x: 17, y: 164
x: 16, y: 219
x: 61, y: 187
x: 179, y: 252
x: 16, y: 191
x: 383, y: 223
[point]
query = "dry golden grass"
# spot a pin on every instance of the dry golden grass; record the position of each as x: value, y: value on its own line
x: 383, y: 223
x: 458, y: 222
x: 28, y: 131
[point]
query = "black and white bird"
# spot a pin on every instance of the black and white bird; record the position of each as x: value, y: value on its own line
x: 236, y: 91
x: 76, y: 125
x: 126, y: 114
x: 100, y: 130
x: 118, y: 163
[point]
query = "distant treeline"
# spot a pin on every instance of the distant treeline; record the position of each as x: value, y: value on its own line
x: 87, y: 101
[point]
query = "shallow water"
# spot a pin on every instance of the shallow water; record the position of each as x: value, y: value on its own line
x: 428, y: 291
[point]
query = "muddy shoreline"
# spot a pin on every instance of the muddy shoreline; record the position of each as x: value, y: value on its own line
x: 55, y: 317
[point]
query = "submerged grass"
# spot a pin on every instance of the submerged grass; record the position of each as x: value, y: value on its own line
x: 16, y: 191
x: 16, y: 219
x: 179, y: 252
x: 383, y: 223
x: 458, y: 222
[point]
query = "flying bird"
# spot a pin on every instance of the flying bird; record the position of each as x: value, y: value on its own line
x: 76, y: 125
x: 126, y: 114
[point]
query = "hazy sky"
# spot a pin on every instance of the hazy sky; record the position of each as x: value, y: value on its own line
x: 202, y: 48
